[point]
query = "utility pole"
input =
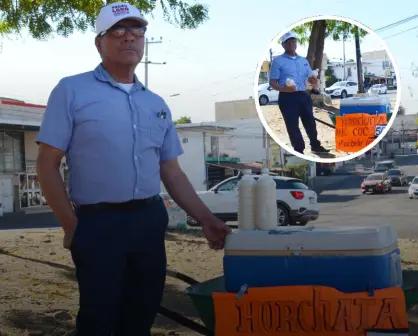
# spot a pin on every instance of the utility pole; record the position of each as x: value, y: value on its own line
x: 344, y: 36
x: 146, y: 62
x: 359, y: 65
x: 266, y: 145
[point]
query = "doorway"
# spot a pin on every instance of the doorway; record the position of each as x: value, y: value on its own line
x: 30, y: 193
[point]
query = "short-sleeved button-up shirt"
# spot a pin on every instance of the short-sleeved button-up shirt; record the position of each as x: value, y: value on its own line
x: 114, y: 140
x: 296, y: 68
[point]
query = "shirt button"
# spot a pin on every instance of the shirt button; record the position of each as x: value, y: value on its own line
x: 134, y: 126
x: 136, y: 158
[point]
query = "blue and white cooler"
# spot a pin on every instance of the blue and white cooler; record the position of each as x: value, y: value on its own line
x: 367, y: 104
x: 350, y: 259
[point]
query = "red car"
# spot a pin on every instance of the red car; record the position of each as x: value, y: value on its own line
x: 376, y: 182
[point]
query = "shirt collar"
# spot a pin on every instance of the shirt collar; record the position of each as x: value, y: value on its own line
x: 286, y: 55
x: 102, y: 75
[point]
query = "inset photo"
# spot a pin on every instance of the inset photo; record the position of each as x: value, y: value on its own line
x: 327, y: 89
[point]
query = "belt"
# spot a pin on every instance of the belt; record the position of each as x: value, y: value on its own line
x: 124, y: 206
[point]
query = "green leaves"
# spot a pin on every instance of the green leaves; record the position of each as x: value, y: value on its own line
x: 335, y: 29
x: 183, y: 120
x: 43, y: 18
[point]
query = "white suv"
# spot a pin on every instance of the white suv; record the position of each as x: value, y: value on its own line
x: 296, y: 203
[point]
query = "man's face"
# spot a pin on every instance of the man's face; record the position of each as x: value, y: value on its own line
x: 290, y: 45
x: 127, y: 49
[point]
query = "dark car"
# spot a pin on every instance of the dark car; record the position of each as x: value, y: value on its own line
x: 384, y: 166
x: 376, y: 182
x: 397, y: 177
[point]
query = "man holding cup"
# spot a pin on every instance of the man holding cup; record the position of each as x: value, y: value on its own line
x: 288, y: 75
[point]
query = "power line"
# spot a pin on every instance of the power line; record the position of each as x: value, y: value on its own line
x: 397, y: 23
x: 401, y: 32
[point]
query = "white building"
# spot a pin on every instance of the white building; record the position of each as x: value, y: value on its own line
x: 19, y: 124
x: 376, y: 66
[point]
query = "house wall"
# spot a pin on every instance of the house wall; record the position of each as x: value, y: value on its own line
x: 235, y: 110
x: 31, y: 148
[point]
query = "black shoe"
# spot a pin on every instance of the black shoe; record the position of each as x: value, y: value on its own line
x: 320, y: 149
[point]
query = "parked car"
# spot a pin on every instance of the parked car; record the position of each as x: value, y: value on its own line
x: 376, y: 182
x: 413, y: 188
x: 342, y: 89
x: 397, y: 177
x: 297, y: 204
x: 266, y: 94
x: 384, y: 166
x: 379, y: 88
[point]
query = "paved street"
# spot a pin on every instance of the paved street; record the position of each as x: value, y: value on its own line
x: 346, y: 205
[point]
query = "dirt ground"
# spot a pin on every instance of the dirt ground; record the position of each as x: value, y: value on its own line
x: 38, y: 291
x: 326, y: 134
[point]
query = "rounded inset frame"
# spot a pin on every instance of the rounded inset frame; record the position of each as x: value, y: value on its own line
x: 276, y: 137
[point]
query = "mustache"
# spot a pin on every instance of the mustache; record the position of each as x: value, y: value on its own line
x: 129, y: 47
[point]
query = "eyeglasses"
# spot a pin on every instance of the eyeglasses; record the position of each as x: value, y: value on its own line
x: 120, y: 31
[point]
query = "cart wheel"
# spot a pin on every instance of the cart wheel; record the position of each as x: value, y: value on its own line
x: 191, y: 221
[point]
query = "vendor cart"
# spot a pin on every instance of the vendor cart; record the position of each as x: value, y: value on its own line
x: 201, y: 296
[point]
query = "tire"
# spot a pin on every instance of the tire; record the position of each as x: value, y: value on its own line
x: 283, y: 218
x: 343, y: 94
x: 263, y: 100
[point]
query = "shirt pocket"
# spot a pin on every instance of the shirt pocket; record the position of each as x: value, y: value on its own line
x: 154, y: 129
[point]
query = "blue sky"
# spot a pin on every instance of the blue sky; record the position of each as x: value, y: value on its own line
x: 215, y: 62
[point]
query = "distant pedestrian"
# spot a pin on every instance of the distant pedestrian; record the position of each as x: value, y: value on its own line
x: 119, y: 140
x: 294, y: 101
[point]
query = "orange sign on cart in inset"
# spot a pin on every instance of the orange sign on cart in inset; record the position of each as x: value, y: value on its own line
x: 308, y: 310
x: 353, y: 132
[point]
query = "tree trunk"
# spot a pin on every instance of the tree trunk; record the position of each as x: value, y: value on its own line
x: 320, y: 42
x: 312, y: 43
x: 359, y: 64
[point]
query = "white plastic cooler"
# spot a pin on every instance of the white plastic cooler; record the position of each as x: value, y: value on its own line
x: 350, y: 259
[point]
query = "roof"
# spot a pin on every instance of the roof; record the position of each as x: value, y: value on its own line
x: 253, y: 166
x: 202, y: 127
x: 385, y: 161
x: 20, y: 103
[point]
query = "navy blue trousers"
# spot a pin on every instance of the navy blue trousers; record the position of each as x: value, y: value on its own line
x: 120, y: 262
x: 297, y: 105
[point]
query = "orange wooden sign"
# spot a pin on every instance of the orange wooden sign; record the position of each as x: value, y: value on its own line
x: 353, y: 132
x: 308, y: 310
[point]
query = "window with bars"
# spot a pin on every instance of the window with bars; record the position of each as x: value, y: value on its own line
x: 12, y: 152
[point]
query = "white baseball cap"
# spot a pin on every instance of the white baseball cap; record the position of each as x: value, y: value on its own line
x: 289, y: 35
x: 113, y: 13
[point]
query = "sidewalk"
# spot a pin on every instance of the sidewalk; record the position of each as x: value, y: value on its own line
x: 322, y: 183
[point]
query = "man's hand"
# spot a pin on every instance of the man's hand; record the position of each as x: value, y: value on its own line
x: 313, y: 80
x: 69, y: 230
x: 215, y: 232
x: 291, y: 88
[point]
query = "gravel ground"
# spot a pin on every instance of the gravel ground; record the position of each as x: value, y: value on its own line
x: 326, y: 134
x: 38, y: 291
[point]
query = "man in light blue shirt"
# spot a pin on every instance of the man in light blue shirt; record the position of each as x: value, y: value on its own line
x: 120, y: 142
x: 294, y: 101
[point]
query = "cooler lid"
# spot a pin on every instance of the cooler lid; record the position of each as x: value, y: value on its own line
x: 313, y: 239
x: 365, y: 101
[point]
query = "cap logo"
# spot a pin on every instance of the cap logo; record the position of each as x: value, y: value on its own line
x: 119, y: 10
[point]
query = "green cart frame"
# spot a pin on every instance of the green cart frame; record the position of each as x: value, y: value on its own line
x: 201, y: 296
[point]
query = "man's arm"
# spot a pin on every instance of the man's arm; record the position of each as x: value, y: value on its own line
x: 182, y: 191
x: 274, y: 77
x: 54, y: 138
x: 53, y: 188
